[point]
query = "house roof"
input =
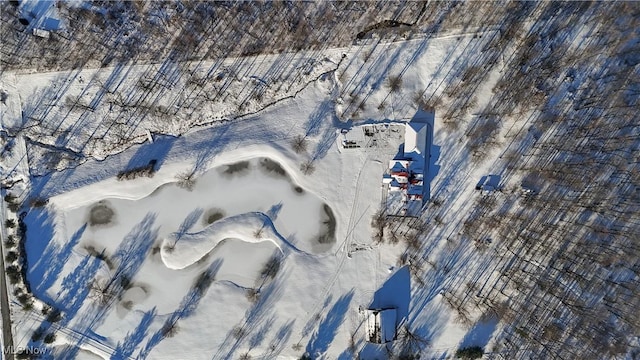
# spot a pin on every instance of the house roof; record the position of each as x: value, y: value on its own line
x: 381, y: 325
x: 417, y: 126
x: 398, y: 167
x: 415, y: 138
x: 416, y: 133
x: 414, y: 190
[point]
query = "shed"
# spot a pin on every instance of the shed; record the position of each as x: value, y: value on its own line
x: 381, y: 325
x: 41, y: 33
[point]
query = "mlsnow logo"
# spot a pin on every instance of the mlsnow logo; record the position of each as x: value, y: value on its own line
x: 32, y: 350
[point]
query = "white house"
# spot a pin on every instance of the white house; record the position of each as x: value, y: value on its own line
x: 406, y: 172
x: 408, y: 169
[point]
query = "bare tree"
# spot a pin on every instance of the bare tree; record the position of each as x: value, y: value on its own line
x: 408, y: 344
x: 307, y: 168
x: 395, y: 83
x: 101, y: 291
x: 170, y: 329
x: 186, y: 180
x: 299, y: 144
x: 253, y: 295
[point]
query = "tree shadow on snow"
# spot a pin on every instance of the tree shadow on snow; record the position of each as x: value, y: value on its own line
x: 435, y: 319
x: 481, y: 333
x: 147, y: 152
x: 436, y: 280
x: 131, y: 341
x: 75, y: 290
x: 394, y: 293
x: 188, y: 223
x: 75, y: 287
x: 45, y: 257
x: 81, y: 285
x: 133, y: 250
x: 327, y: 140
x: 207, y: 143
x: 279, y: 341
x: 328, y: 328
x: 274, y: 210
x: 254, y: 317
x: 313, y: 320
x: 323, y: 112
x: 258, y: 336
x: 187, y: 307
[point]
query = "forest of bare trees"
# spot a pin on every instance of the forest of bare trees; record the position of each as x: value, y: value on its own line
x: 110, y: 32
x: 561, y: 268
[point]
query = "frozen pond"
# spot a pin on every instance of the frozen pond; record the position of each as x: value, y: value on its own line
x: 258, y: 185
x: 236, y: 217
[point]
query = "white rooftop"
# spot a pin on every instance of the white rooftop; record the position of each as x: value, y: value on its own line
x: 415, y: 138
x: 381, y: 325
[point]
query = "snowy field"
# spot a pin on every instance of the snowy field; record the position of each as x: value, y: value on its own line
x: 234, y: 220
x: 145, y: 268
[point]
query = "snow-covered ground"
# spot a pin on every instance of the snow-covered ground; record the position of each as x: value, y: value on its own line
x: 250, y: 203
x: 100, y: 112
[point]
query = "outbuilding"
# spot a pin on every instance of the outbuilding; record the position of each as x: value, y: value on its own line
x: 381, y: 325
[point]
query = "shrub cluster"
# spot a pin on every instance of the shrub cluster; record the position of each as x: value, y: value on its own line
x: 147, y: 170
x: 471, y: 352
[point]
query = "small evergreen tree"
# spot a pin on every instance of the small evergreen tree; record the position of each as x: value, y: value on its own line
x: 10, y: 223
x: 49, y: 338
x: 14, y: 207
x: 11, y: 256
x: 11, y: 241
x: 37, y: 334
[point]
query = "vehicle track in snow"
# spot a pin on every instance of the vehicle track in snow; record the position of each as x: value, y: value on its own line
x: 343, y: 251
